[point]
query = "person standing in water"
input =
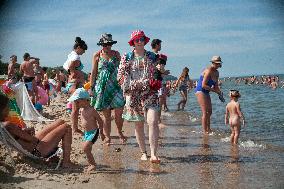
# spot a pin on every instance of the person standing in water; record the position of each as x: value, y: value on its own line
x: 135, y: 74
x: 106, y: 89
x: 234, y: 115
x: 208, y: 82
x: 184, y: 84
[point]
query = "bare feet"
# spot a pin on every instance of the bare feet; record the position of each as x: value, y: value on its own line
x: 69, y: 165
x: 144, y: 157
x: 107, y: 142
x: 90, y: 168
x: 123, y: 139
x: 155, y: 159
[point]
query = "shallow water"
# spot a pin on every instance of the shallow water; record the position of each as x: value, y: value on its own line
x: 193, y: 160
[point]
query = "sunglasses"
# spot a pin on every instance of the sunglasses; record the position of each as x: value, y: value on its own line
x: 106, y: 44
x: 141, y: 39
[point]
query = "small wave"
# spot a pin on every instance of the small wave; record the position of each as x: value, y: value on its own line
x: 251, y: 144
x: 167, y: 114
x: 227, y: 139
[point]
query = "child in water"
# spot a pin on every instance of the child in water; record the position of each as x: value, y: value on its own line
x: 234, y: 115
x: 90, y: 121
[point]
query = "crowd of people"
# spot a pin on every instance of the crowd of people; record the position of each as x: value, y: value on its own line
x: 272, y: 81
x: 131, y: 85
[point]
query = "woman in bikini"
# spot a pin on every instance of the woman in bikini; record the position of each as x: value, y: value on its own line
x: 106, y: 89
x: 43, y: 143
x: 208, y: 82
x: 184, y: 83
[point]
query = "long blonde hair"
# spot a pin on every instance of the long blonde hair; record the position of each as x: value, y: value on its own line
x: 184, y: 73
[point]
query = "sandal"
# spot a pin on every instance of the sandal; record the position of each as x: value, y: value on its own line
x: 144, y: 156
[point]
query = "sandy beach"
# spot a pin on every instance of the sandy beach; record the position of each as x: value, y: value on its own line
x: 189, y: 160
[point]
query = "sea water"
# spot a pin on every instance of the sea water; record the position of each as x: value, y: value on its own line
x: 262, y: 107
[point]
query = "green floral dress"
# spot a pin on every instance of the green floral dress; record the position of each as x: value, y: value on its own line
x: 107, y: 93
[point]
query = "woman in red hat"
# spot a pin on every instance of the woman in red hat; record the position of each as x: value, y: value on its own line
x: 136, y: 76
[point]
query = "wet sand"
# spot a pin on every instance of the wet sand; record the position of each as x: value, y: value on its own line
x: 189, y: 160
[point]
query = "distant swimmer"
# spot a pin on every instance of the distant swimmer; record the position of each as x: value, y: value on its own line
x: 234, y: 115
x: 274, y: 84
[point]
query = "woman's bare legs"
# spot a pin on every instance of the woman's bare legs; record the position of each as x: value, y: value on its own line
x: 107, y: 125
x: 119, y: 123
x: 206, y: 108
x: 140, y: 137
x: 49, y: 128
x: 152, y: 120
x: 75, y: 115
x: 183, y: 100
x: 51, y: 140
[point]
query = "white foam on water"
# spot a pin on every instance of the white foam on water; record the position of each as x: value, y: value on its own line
x: 226, y: 139
x: 167, y: 114
x: 251, y: 144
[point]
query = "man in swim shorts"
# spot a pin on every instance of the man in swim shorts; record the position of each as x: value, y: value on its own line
x: 28, y: 77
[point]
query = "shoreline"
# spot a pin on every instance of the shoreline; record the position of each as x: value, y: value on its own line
x: 188, y: 160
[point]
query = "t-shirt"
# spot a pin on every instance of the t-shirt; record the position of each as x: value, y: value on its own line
x: 73, y: 56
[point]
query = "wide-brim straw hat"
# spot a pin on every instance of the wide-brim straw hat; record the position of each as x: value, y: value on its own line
x: 137, y: 34
x: 106, y: 39
x: 216, y: 59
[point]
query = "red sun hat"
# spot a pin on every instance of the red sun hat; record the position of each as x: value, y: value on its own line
x: 163, y: 57
x: 137, y: 34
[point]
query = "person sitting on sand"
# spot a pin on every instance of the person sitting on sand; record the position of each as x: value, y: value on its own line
x: 43, y: 143
x: 234, y: 115
x: 90, y: 118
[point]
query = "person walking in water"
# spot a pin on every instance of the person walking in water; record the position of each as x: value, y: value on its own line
x: 184, y: 84
x: 208, y: 82
x: 136, y: 76
x: 106, y: 89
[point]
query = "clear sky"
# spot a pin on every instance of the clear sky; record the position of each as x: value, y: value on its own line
x: 247, y: 34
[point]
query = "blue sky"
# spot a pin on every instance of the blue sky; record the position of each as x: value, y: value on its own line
x: 247, y: 34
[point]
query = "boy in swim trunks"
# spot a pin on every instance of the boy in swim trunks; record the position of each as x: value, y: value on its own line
x: 90, y: 121
x: 234, y: 115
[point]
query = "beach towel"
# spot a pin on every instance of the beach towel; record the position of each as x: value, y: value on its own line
x: 27, y: 109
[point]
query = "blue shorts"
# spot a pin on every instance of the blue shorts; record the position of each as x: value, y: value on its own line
x: 91, y: 136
